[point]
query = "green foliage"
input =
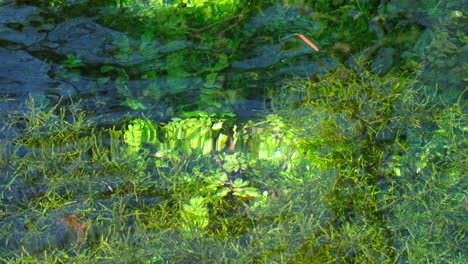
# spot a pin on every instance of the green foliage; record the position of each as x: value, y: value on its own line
x: 71, y: 66
x: 241, y: 189
x: 341, y: 107
x: 269, y: 139
x: 427, y: 197
x: 140, y: 132
x: 348, y: 168
x: 301, y: 184
x: 344, y: 23
x: 192, y: 134
x: 444, y: 62
x: 330, y: 113
x: 195, y: 214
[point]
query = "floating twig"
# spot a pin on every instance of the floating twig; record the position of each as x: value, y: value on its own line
x: 306, y: 40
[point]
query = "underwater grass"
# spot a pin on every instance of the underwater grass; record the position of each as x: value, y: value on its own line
x: 410, y: 166
x: 368, y: 170
x: 64, y: 171
x: 376, y: 183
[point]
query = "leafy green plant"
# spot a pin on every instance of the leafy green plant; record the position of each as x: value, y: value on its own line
x: 71, y: 65
x: 140, y: 132
x: 195, y: 213
x: 323, y: 188
x: 242, y: 189
x: 349, y: 168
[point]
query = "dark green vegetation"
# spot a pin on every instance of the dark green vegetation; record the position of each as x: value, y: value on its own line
x: 345, y: 167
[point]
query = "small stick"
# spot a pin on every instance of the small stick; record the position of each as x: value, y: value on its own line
x: 108, y: 186
x: 306, y: 40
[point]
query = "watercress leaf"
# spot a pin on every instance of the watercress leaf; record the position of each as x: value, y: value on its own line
x: 221, y: 142
x: 107, y: 68
x: 218, y: 126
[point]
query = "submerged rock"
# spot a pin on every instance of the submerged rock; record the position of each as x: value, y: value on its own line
x: 21, y: 74
x: 383, y: 62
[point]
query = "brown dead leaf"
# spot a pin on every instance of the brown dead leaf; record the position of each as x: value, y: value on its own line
x: 73, y: 222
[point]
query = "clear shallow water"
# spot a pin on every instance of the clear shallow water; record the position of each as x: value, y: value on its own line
x: 154, y: 73
x: 151, y: 76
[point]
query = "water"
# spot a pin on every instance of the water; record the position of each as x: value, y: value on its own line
x: 343, y: 160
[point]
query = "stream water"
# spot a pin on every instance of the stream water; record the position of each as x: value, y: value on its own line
x: 89, y: 62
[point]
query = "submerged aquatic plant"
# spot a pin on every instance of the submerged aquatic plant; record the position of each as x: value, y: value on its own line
x: 319, y: 179
x: 349, y: 167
